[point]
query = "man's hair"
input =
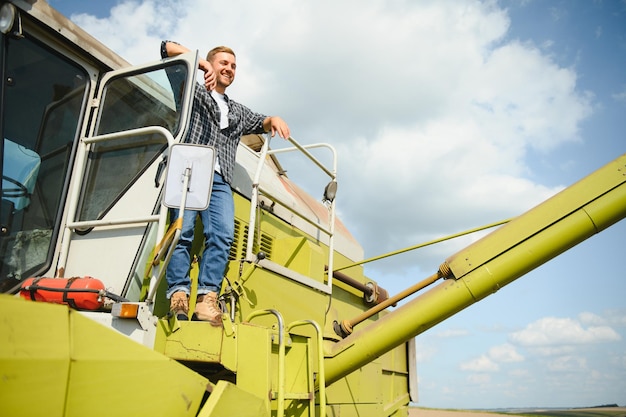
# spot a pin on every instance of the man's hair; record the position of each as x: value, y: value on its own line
x: 217, y: 50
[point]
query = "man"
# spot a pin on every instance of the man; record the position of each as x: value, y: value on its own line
x: 218, y: 121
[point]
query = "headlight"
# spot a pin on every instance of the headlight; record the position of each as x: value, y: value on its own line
x: 7, y: 17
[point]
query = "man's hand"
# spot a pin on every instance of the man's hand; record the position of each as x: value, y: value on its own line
x: 275, y: 124
x: 174, y: 49
x: 209, y: 74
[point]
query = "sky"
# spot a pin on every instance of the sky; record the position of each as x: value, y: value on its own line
x: 445, y: 116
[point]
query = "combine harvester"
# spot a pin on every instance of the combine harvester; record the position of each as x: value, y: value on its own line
x: 305, y: 333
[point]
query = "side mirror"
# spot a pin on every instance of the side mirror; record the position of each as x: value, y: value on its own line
x: 192, y: 165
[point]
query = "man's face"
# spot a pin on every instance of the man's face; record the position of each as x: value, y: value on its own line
x: 224, y: 65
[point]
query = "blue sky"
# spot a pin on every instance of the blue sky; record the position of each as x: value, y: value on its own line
x: 446, y: 116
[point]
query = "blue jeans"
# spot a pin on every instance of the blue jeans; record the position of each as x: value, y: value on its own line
x: 218, y: 229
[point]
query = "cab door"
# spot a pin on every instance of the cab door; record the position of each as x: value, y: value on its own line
x: 115, y: 214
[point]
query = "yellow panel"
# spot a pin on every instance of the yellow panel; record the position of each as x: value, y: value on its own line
x: 254, y: 359
x: 191, y: 341
x: 227, y: 400
x: 113, y: 375
x: 301, y: 255
x: 34, y: 357
x: 361, y: 386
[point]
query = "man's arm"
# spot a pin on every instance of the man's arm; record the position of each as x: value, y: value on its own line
x: 174, y: 49
x: 275, y: 124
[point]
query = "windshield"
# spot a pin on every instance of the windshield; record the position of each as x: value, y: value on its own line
x: 43, y: 99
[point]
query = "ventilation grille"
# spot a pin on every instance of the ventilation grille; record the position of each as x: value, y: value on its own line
x: 240, y: 243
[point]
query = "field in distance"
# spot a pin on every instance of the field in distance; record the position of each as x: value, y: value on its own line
x: 538, y: 412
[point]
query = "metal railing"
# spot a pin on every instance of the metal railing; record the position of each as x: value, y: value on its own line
x: 258, y: 189
x: 281, y: 394
x: 75, y: 194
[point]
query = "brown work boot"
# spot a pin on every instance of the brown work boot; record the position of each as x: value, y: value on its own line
x: 207, y: 309
x: 179, y: 305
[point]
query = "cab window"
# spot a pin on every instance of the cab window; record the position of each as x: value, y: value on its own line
x: 44, y: 97
x: 129, y: 102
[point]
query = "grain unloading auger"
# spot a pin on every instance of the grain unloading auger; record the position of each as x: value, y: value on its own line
x: 573, y: 215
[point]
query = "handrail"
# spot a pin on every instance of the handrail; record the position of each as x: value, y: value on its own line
x: 131, y: 132
x: 321, y: 380
x: 280, y: 392
x: 269, y: 195
x: 77, y: 184
x: 304, y: 148
x: 257, y: 190
x: 120, y: 222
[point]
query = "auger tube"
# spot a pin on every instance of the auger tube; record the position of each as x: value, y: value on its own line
x: 556, y: 225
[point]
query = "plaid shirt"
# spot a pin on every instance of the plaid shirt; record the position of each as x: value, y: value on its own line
x: 204, y: 126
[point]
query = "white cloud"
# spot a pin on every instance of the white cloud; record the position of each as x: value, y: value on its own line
x: 558, y: 13
x: 568, y: 364
x: 141, y: 22
x: 552, y: 350
x: 490, y: 362
x: 505, y: 353
x: 591, y: 319
x: 598, y: 32
x: 520, y: 373
x: 612, y: 318
x: 620, y: 95
x: 479, y: 379
x: 480, y: 364
x: 550, y: 331
x: 616, y: 318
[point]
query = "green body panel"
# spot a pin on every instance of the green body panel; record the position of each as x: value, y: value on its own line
x: 227, y: 400
x: 263, y: 289
x: 57, y: 362
x: 363, y: 386
x: 281, y: 242
x: 301, y: 255
x: 254, y: 363
x: 189, y: 341
x: 254, y: 359
x: 34, y: 358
